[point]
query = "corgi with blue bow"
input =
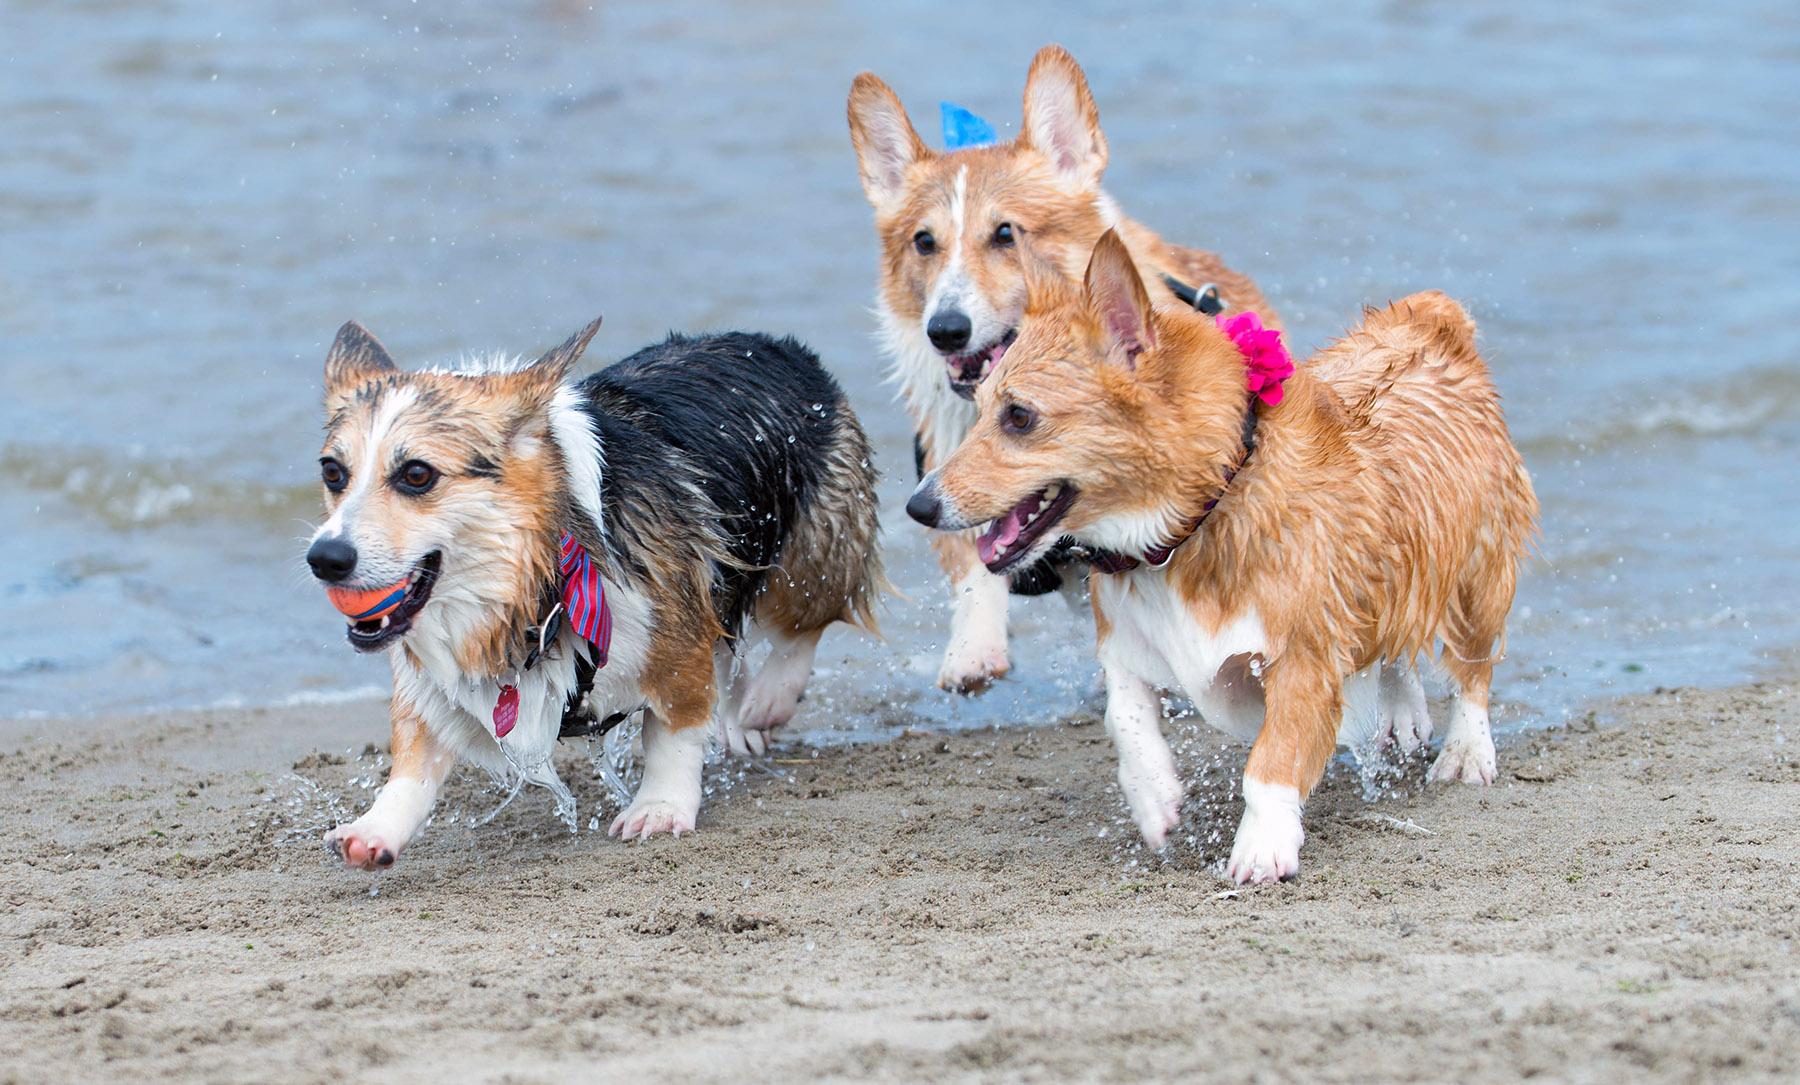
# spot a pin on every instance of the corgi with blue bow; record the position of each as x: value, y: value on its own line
x: 951, y: 225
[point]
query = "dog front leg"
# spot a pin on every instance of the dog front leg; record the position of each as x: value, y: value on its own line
x: 1304, y: 700
x: 668, y: 798
x: 680, y: 693
x: 421, y: 762
x: 1146, y: 767
x: 976, y: 654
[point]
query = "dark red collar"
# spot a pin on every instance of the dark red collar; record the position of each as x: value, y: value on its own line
x: 1111, y: 561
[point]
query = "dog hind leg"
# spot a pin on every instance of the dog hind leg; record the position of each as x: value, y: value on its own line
x: 1468, y: 753
x: 829, y: 571
x: 1472, y: 641
x: 771, y: 695
x: 1405, y: 718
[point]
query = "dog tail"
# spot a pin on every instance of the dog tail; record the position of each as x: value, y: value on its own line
x: 1440, y: 323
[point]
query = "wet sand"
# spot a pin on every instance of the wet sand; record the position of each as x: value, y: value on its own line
x: 963, y: 907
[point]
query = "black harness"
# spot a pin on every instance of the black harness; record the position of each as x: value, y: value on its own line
x: 578, y: 720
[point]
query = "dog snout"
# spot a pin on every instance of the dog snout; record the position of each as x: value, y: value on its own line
x: 949, y: 330
x: 332, y: 558
x: 925, y: 506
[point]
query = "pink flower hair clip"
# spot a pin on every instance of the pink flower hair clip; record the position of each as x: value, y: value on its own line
x: 1268, y: 362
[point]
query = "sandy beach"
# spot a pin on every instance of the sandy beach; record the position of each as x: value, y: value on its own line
x: 941, y: 907
x: 195, y: 196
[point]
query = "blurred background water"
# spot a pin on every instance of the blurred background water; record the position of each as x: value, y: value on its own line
x: 193, y: 196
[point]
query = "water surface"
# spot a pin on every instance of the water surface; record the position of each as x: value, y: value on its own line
x: 194, y: 196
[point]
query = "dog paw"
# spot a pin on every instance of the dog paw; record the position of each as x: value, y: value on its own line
x: 1267, y: 848
x: 1405, y: 718
x: 1406, y: 729
x: 1154, y: 799
x: 1472, y: 762
x: 748, y: 741
x: 970, y: 669
x: 646, y: 817
x: 1406, y: 726
x: 363, y: 846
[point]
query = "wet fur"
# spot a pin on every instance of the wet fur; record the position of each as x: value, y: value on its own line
x: 717, y: 481
x: 1384, y: 512
x: 1047, y: 183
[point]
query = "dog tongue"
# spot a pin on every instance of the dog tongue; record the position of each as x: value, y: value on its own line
x: 362, y: 606
x: 1004, y: 533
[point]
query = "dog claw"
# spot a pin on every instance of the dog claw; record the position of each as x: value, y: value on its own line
x: 360, y: 847
x: 644, y: 818
x: 1470, y: 763
x: 748, y: 741
x: 970, y: 677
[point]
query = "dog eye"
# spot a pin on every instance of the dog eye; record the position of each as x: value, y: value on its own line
x: 333, y: 474
x: 416, y: 476
x: 1017, y: 418
x: 924, y: 242
x: 1003, y: 235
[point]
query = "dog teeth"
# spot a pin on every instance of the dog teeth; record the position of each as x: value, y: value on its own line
x: 1051, y: 491
x: 384, y: 621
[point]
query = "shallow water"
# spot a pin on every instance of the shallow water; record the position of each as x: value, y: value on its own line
x: 195, y: 196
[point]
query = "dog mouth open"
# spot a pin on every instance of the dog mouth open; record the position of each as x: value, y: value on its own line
x: 382, y: 615
x: 1010, y: 539
x: 968, y: 369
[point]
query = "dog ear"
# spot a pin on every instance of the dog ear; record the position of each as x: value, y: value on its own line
x: 355, y: 358
x: 554, y: 364
x: 1118, y: 301
x: 886, y: 143
x: 1061, y: 120
x: 533, y: 387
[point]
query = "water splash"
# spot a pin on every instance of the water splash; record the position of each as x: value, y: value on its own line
x: 615, y: 760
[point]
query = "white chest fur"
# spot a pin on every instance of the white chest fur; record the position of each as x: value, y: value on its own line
x: 1156, y: 637
x: 459, y: 707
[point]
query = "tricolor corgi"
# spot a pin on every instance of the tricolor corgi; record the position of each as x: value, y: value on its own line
x: 952, y: 293
x: 1265, y: 537
x: 536, y: 554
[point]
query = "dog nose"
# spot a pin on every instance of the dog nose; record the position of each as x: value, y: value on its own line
x: 925, y: 507
x: 332, y: 558
x: 948, y: 330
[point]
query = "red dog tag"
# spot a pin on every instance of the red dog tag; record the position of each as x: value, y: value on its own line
x: 506, y: 710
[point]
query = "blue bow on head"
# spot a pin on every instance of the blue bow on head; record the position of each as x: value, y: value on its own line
x: 963, y: 128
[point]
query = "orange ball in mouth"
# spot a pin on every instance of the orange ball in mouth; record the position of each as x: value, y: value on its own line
x: 369, y: 603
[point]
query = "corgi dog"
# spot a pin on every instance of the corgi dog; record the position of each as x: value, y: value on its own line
x: 952, y: 292
x: 1266, y: 536
x: 537, y: 553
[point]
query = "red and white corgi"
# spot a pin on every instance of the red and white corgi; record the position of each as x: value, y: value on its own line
x: 1269, y: 536
x: 952, y: 292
